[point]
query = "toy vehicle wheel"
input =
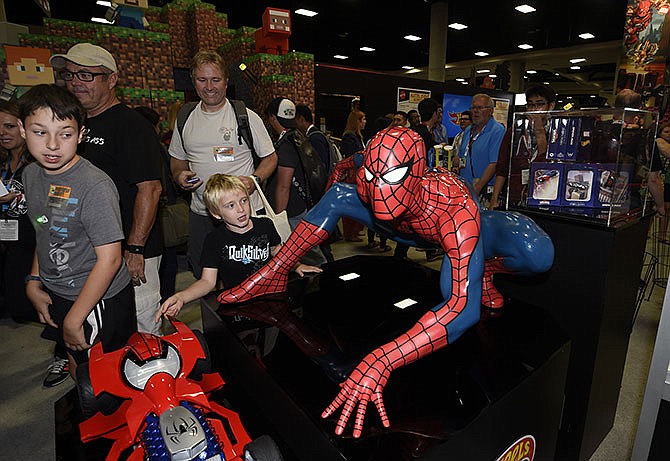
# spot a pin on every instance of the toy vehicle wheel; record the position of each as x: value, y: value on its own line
x: 262, y: 449
x: 89, y: 403
x: 202, y: 366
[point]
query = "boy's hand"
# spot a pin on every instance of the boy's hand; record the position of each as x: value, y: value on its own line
x: 170, y: 307
x: 73, y: 335
x: 302, y: 269
x: 41, y: 300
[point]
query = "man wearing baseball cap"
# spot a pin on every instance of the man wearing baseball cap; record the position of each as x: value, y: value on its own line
x: 288, y: 188
x: 124, y: 145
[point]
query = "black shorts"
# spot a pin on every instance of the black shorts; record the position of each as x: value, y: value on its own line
x: 111, y: 321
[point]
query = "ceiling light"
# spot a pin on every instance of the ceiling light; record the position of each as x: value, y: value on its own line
x: 304, y: 12
x: 592, y: 96
x: 413, y: 71
x: 339, y: 56
x: 460, y: 79
x: 531, y: 71
x: 587, y: 36
x: 575, y: 67
x: 481, y: 53
x: 525, y: 46
x: 576, y: 60
x: 492, y: 75
x: 366, y: 48
x: 412, y: 38
x: 458, y: 26
x: 524, y: 8
x: 408, y: 67
x: 557, y: 74
x: 483, y: 71
x: 101, y: 20
x: 464, y: 83
x: 545, y: 83
x: 103, y: 3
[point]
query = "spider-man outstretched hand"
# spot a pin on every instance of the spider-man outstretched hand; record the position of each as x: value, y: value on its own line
x: 393, y: 192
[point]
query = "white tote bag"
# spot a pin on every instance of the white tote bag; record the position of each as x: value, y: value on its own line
x: 279, y: 219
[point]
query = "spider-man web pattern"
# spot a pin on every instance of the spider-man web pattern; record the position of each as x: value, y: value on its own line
x: 424, y: 208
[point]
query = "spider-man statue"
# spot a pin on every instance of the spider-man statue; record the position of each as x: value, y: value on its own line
x: 395, y: 195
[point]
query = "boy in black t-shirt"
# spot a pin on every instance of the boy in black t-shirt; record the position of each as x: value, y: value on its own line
x: 233, y: 251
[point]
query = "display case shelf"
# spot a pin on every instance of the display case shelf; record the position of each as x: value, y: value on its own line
x: 588, y: 165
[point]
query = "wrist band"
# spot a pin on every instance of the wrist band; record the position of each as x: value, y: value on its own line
x: 31, y: 278
x: 135, y: 249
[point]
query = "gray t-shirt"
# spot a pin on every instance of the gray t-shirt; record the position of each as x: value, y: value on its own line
x: 73, y: 212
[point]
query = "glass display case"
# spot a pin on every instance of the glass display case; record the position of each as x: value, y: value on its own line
x: 587, y: 164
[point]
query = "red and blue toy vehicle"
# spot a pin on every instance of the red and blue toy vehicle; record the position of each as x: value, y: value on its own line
x: 151, y: 398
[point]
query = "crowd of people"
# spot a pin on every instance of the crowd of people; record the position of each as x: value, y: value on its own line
x: 85, y: 176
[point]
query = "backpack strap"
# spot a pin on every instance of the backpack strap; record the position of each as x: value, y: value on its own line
x: 243, y: 127
x: 182, y: 116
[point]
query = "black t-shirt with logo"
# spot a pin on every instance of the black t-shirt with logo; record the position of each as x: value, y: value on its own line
x: 237, y: 256
x: 124, y: 145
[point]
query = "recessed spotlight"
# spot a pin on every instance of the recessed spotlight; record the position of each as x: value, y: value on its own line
x: 460, y: 79
x: 464, y: 83
x: 413, y: 71
x: 349, y: 276
x: 481, y: 53
x: 457, y: 26
x: 408, y: 67
x: 103, y: 3
x: 492, y: 75
x: 304, y: 12
x: 525, y: 46
x: 592, y: 96
x: 557, y: 74
x: 587, y: 36
x: 412, y: 38
x: 568, y: 97
x: 575, y: 67
x: 545, y: 83
x: 340, y: 56
x: 405, y: 303
x: 483, y: 71
x: 101, y: 20
x: 366, y: 48
x: 531, y: 71
x: 524, y: 8
x: 576, y: 60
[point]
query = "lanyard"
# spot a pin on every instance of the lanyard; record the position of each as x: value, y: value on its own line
x: 468, y: 149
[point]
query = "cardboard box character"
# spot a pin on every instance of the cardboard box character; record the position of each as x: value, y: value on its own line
x: 272, y: 38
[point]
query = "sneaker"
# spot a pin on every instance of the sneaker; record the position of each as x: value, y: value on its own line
x: 57, y: 372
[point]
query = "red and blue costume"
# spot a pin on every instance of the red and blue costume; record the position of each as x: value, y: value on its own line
x: 395, y: 195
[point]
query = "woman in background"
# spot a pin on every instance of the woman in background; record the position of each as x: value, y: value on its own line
x: 352, y: 142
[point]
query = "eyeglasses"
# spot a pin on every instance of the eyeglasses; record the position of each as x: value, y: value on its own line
x: 82, y: 75
x: 481, y: 107
x: 464, y: 120
x: 536, y: 105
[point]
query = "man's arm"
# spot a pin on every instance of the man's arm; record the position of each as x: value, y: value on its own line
x: 264, y: 170
x: 108, y: 261
x: 486, y: 177
x: 144, y: 216
x: 181, y: 173
x: 655, y: 185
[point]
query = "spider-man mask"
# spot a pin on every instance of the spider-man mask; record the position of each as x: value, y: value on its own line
x: 393, y: 165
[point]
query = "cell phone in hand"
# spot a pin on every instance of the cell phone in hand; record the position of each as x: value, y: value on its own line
x: 193, y: 180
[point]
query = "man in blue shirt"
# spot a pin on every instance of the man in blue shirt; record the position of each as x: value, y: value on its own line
x: 480, y: 145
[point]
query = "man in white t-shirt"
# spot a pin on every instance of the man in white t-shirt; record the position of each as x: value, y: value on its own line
x: 211, y: 145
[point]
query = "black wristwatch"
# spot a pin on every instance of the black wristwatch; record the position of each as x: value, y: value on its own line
x: 135, y: 249
x: 31, y: 278
x: 257, y: 178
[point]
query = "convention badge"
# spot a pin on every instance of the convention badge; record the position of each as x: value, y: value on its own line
x: 9, y: 230
x: 223, y: 154
x: 58, y: 196
x: 525, y: 176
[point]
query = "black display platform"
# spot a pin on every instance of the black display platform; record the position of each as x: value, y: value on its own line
x: 591, y: 291
x: 502, y: 380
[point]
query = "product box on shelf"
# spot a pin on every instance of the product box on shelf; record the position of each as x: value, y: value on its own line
x: 595, y: 159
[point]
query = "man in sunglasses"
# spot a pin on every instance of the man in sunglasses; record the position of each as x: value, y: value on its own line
x: 124, y: 145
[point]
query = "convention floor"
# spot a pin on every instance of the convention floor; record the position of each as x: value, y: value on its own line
x: 27, y: 423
